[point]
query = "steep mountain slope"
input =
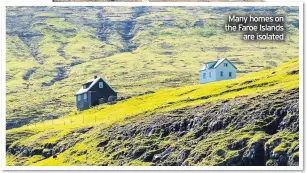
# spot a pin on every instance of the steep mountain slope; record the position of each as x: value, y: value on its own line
x: 252, y: 120
x: 51, y: 51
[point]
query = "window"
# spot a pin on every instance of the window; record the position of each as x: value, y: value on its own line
x: 204, y: 75
x: 85, y: 96
x: 209, y: 74
x: 221, y: 74
x: 230, y: 74
x: 100, y: 84
x: 79, y: 97
x: 225, y: 64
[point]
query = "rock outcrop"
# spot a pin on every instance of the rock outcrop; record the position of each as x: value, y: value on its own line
x: 245, y: 131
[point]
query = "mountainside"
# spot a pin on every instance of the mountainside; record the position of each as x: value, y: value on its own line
x: 251, y: 120
x: 51, y: 51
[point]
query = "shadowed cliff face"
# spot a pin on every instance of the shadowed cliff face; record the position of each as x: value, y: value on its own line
x: 212, y: 134
x: 245, y: 131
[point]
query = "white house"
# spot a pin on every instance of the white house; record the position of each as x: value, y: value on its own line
x: 221, y: 69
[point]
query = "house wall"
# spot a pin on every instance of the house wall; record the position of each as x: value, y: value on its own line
x: 216, y: 73
x: 98, y: 93
x: 94, y: 94
x: 83, y: 103
x: 225, y: 70
x: 208, y: 78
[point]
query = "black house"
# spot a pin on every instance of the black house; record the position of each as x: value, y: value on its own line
x: 94, y: 92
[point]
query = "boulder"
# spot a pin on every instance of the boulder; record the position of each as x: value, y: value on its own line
x: 103, y: 143
x: 25, y: 152
x: 238, y: 145
x: 183, y: 155
x: 37, y: 151
x: 255, y: 155
x: 148, y: 156
x: 138, y: 152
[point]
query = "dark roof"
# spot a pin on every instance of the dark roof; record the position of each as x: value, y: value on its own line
x: 92, y: 83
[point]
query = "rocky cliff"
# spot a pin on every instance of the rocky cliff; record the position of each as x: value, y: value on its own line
x: 250, y: 121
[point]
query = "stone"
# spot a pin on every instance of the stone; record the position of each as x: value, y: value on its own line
x: 255, y: 155
x: 103, y: 143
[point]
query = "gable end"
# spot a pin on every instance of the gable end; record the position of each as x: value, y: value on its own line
x: 227, y: 61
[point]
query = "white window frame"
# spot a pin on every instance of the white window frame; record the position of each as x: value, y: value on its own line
x: 85, y: 96
x: 204, y: 75
x: 100, y: 84
x: 221, y: 73
x: 79, y: 97
x: 230, y: 74
x: 210, y: 74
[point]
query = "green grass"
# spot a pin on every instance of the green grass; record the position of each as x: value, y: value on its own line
x: 288, y: 141
x: 162, y: 101
x: 169, y: 52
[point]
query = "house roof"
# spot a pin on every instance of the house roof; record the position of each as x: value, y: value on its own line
x: 218, y: 62
x: 214, y: 64
x: 92, y: 83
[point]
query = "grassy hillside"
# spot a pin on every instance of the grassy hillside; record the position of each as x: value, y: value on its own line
x: 51, y: 51
x: 251, y: 120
